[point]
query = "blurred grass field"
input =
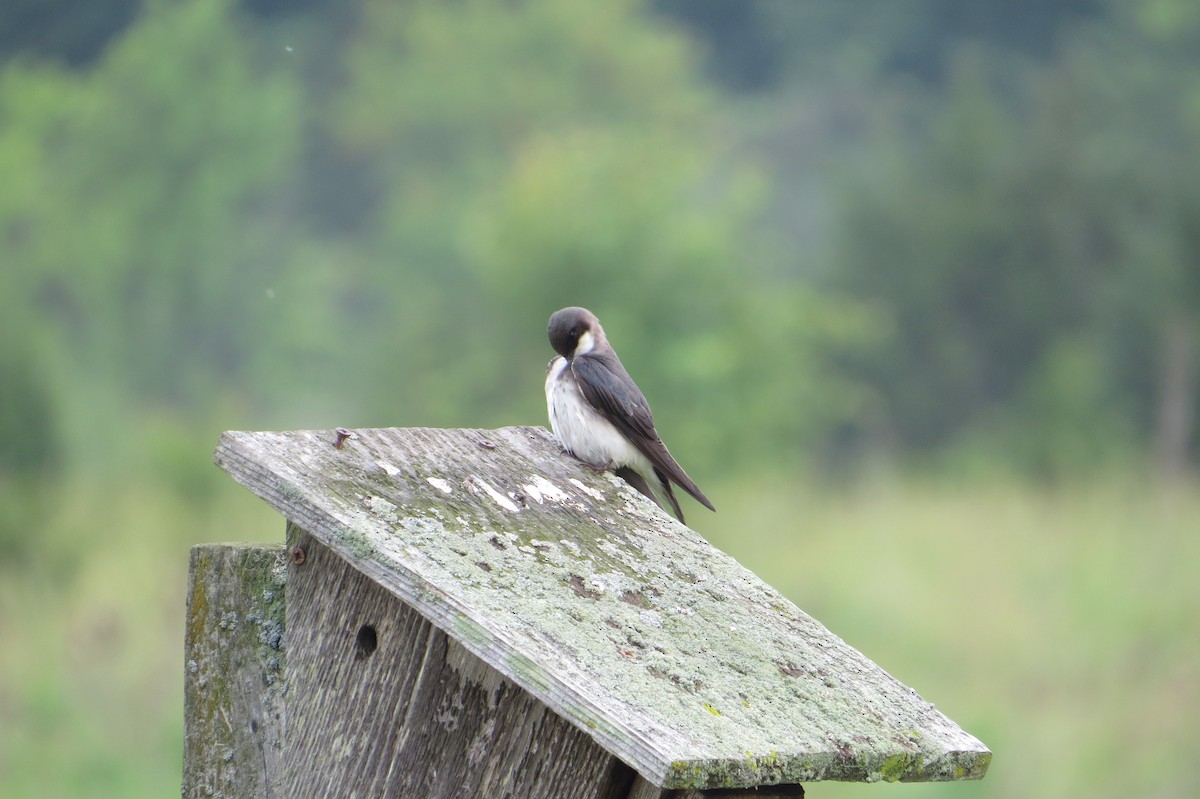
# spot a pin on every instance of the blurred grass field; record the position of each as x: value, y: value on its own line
x: 1056, y: 624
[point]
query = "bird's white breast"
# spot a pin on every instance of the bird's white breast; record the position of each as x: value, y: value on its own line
x: 588, y: 435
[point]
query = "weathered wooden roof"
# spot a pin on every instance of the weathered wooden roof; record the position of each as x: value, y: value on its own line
x: 673, y: 656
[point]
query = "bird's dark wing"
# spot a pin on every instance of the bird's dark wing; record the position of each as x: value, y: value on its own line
x: 639, y: 483
x: 608, y: 388
x: 666, y: 484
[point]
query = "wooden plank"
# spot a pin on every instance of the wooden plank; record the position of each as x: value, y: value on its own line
x: 631, y: 626
x: 233, y: 671
x: 644, y: 789
x: 766, y: 792
x: 382, y: 703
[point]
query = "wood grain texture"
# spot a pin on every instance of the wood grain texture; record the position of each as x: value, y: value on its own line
x: 644, y: 789
x: 629, y: 625
x: 233, y: 671
x: 385, y: 704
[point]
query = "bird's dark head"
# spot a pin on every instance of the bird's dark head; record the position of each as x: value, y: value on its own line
x: 574, y: 331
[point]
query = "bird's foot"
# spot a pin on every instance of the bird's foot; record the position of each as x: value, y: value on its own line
x: 598, y: 469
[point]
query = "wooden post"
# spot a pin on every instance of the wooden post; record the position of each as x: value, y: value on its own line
x: 471, y: 613
x: 377, y: 685
x: 233, y: 671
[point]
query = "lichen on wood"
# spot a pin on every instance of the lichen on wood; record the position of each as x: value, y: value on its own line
x: 631, y: 626
x: 412, y: 713
x: 234, y: 670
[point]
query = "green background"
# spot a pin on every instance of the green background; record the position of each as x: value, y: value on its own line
x: 913, y: 288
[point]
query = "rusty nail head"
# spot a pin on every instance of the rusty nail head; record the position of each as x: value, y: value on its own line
x: 298, y: 555
x: 342, y: 435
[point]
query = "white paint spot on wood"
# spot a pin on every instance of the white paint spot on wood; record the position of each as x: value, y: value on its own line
x: 544, y: 488
x: 496, y: 496
x: 391, y: 470
x: 591, y: 492
x: 440, y: 484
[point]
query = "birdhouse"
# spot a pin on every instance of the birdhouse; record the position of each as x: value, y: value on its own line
x: 472, y: 613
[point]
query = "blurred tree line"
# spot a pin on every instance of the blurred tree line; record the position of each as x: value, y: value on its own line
x: 935, y: 230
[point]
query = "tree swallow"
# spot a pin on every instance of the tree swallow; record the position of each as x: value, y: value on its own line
x: 599, y: 415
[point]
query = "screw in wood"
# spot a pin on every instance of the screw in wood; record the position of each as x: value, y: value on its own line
x: 298, y: 555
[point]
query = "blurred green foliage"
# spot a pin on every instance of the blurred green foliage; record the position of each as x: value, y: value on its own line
x: 1024, y: 212
x: 326, y: 216
x: 832, y: 242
